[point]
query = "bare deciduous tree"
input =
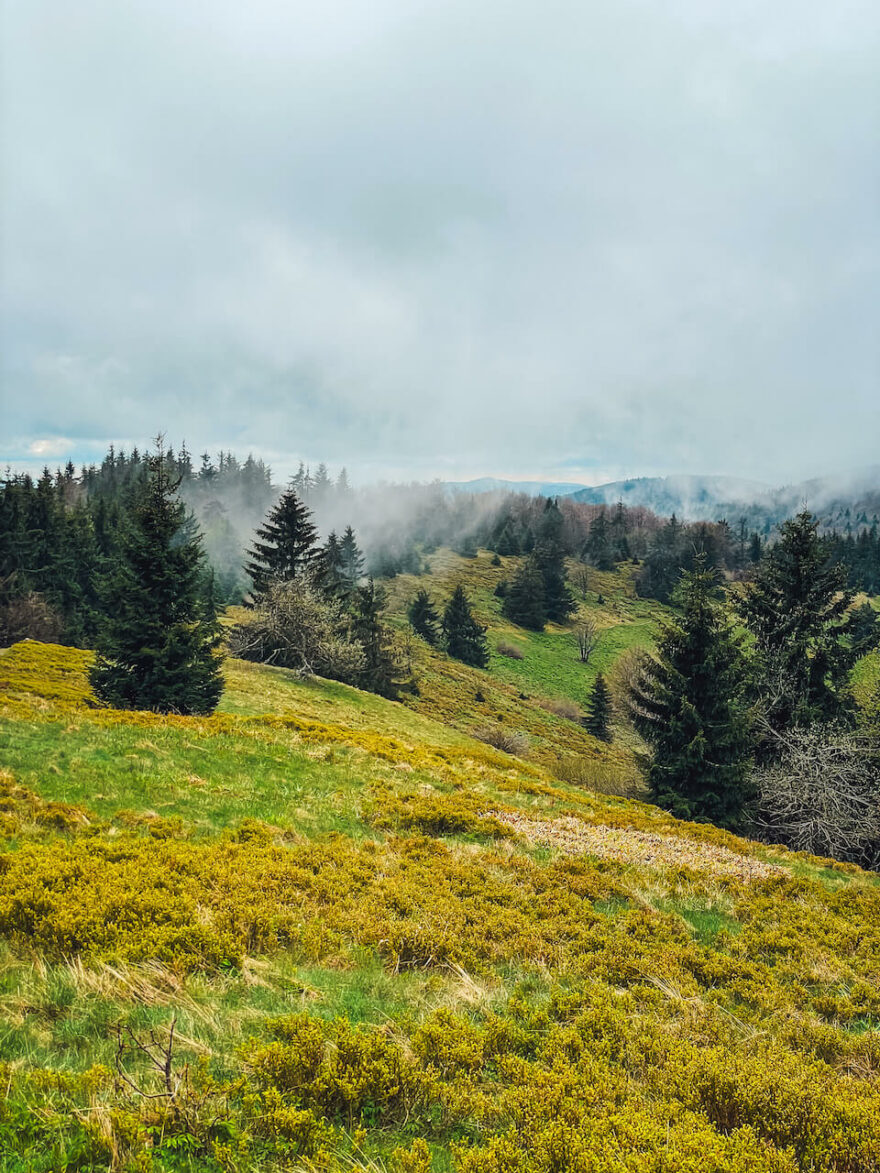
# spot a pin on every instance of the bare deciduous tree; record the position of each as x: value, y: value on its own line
x: 822, y: 793
x: 587, y: 636
x: 580, y: 577
x: 294, y: 626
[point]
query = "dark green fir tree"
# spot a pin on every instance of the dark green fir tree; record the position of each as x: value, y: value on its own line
x: 507, y: 541
x: 688, y: 704
x: 798, y: 610
x: 351, y: 561
x: 598, y: 718
x: 549, y: 557
x: 285, y: 545
x: 158, y: 645
x: 524, y: 599
x: 599, y: 549
x: 380, y: 673
x: 464, y: 638
x: 424, y: 619
x: 326, y: 569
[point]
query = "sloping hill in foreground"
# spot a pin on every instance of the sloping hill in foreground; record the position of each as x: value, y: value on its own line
x: 319, y: 930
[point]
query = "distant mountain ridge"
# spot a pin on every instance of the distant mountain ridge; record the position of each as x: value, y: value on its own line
x: 530, y: 488
x: 850, y: 499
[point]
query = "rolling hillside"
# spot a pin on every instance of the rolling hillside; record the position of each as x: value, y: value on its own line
x: 382, y: 944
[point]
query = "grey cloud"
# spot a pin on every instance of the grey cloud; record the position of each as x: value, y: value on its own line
x: 423, y: 238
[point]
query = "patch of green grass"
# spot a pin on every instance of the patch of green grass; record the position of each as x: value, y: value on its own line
x: 65, y: 1016
x: 707, y: 923
x: 369, y: 992
x: 210, y: 780
x: 550, y: 665
x: 866, y: 679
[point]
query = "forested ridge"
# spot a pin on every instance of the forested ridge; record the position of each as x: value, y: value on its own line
x: 59, y: 531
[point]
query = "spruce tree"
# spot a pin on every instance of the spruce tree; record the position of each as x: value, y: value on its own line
x: 285, y: 545
x: 598, y: 548
x: 326, y: 569
x: 688, y: 704
x: 158, y: 644
x: 423, y: 618
x: 351, y: 560
x: 464, y: 638
x: 507, y: 541
x: 524, y: 599
x: 661, y: 570
x: 599, y: 716
x: 558, y: 600
x: 549, y: 557
x: 380, y: 670
x: 797, y: 609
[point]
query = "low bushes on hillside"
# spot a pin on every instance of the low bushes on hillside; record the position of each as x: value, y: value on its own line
x: 500, y: 737
x: 511, y: 651
x: 562, y: 707
x: 604, y: 777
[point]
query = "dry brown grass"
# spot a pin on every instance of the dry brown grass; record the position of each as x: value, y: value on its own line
x: 621, y: 780
x: 645, y: 848
x: 562, y: 707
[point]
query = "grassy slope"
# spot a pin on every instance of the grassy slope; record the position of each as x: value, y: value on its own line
x: 515, y: 691
x: 314, y: 849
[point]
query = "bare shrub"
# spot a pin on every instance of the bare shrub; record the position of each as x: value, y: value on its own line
x: 510, y: 650
x: 603, y: 777
x: 29, y: 617
x: 562, y: 707
x: 822, y: 794
x: 508, y: 740
x: 587, y: 635
x: 296, y: 627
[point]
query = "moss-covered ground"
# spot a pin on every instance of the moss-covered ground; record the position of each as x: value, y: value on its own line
x: 367, y: 967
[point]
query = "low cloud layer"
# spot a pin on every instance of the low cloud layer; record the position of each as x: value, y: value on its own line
x: 575, y: 240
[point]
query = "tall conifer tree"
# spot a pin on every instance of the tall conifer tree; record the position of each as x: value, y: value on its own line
x: 798, y: 610
x: 599, y: 716
x: 525, y: 599
x: 598, y: 548
x: 465, y: 639
x: 285, y: 544
x: 688, y: 705
x: 158, y: 645
x: 423, y: 618
x: 380, y: 671
x: 549, y: 558
x: 326, y: 569
x: 351, y: 560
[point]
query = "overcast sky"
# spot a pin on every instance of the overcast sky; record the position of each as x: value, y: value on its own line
x: 569, y: 239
